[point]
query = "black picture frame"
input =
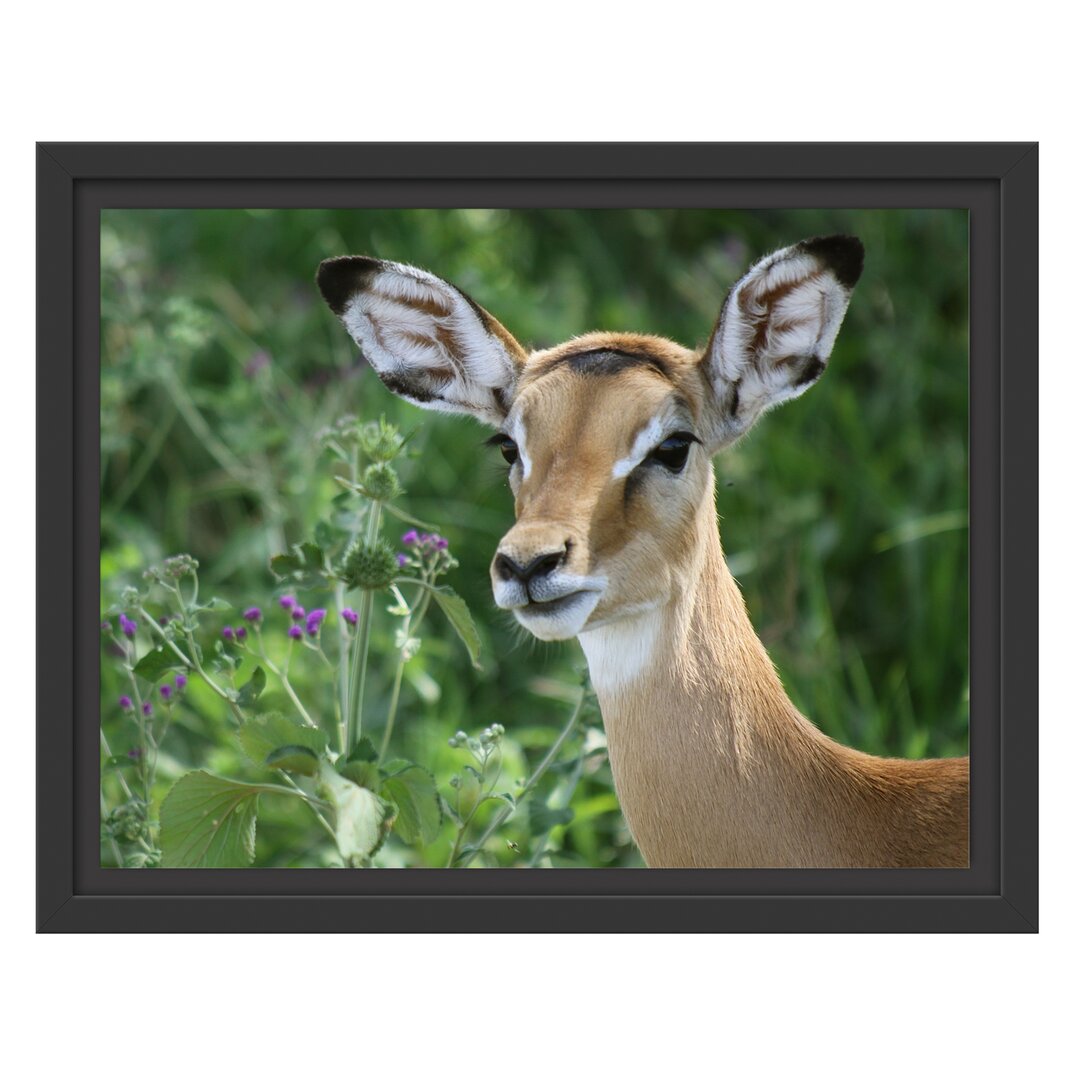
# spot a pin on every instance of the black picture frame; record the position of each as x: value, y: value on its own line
x: 996, y: 182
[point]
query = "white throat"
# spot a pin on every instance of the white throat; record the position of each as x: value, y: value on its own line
x: 622, y: 652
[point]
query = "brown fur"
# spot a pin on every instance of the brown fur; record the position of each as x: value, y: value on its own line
x: 713, y: 764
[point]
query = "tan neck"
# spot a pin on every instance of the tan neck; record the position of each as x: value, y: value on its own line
x: 713, y: 764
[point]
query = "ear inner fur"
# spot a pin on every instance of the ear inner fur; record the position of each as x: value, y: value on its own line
x: 427, y: 340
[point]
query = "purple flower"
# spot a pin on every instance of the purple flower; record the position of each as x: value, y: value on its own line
x: 253, y: 614
x: 180, y: 682
x: 135, y: 753
x: 402, y: 560
x: 106, y: 626
x: 166, y: 691
x: 425, y: 539
x: 227, y: 633
x: 288, y: 602
x: 314, y: 619
x: 241, y: 633
x: 410, y: 537
x: 295, y: 632
x: 350, y: 616
x: 125, y: 702
x: 298, y: 613
x: 147, y: 709
x: 128, y: 626
x: 441, y: 543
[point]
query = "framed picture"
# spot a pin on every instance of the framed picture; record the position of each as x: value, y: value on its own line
x: 434, y: 565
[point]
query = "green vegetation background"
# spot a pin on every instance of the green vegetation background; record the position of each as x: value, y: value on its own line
x: 844, y: 514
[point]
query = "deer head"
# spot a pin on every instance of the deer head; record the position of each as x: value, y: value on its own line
x: 609, y: 436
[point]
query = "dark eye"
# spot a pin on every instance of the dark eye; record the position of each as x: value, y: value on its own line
x: 507, y: 447
x: 673, y: 451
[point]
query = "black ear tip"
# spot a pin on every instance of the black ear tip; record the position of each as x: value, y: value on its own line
x: 843, y: 255
x: 341, y: 278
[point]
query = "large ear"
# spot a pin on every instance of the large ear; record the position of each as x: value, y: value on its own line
x: 776, y: 331
x: 426, y: 340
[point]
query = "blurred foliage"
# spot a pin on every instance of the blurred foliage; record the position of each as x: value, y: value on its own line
x: 844, y: 515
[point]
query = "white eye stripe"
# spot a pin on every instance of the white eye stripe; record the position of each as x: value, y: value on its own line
x: 645, y: 441
x: 517, y: 433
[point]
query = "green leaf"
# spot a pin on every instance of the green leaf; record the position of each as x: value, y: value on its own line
x: 156, y: 662
x: 209, y: 821
x: 419, y: 814
x: 364, y: 750
x: 284, y: 566
x: 250, y: 691
x: 304, y: 566
x: 468, y: 791
x: 262, y: 735
x: 215, y: 603
x: 361, y: 818
x: 297, y: 759
x: 312, y: 555
x: 457, y: 611
x: 407, y: 518
x: 364, y: 773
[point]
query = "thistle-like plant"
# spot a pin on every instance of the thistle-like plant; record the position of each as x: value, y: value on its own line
x: 163, y: 636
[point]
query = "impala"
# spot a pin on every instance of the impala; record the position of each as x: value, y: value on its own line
x: 609, y: 438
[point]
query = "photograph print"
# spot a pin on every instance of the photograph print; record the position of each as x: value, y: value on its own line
x: 480, y: 538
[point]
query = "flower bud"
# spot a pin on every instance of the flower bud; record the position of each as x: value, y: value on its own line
x: 368, y: 566
x: 381, y: 482
x: 380, y: 441
x: 178, y: 566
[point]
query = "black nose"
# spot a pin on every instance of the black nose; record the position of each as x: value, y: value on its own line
x: 539, y: 567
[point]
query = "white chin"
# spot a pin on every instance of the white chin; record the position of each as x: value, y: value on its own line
x: 561, y: 622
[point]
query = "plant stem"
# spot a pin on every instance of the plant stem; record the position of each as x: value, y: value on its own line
x: 406, y: 630
x: 142, y: 467
x: 198, y: 424
x: 258, y: 482
x: 457, y: 840
x: 119, y: 775
x: 358, y: 672
x: 123, y: 784
x: 343, y: 669
x: 314, y: 809
x: 505, y: 811
x: 283, y: 675
x: 570, y: 787
x: 193, y: 661
x: 140, y: 720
